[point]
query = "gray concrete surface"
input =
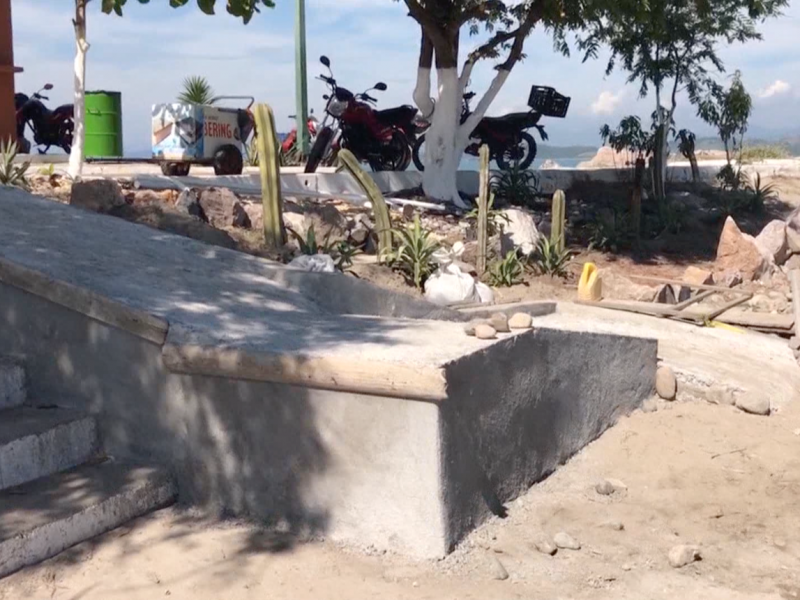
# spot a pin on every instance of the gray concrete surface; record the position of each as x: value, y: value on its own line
x: 12, y: 383
x: 36, y: 442
x: 48, y: 516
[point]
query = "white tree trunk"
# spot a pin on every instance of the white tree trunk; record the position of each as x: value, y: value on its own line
x: 79, y: 104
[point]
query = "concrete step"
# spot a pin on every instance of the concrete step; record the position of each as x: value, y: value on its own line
x: 42, y: 518
x: 37, y: 442
x: 12, y: 383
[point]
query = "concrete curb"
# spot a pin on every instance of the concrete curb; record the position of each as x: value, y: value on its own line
x: 12, y: 384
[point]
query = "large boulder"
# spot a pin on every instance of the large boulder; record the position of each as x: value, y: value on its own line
x: 98, y: 195
x: 738, y: 252
x: 773, y: 241
x: 222, y: 208
x: 519, y: 231
x: 255, y: 212
x: 327, y: 221
x: 793, y: 231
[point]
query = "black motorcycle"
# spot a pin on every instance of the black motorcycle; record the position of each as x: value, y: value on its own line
x: 509, y: 143
x: 49, y: 127
x: 381, y: 138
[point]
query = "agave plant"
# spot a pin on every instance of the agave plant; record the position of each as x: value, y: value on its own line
x: 507, y: 271
x: 550, y: 258
x: 414, y: 254
x: 12, y: 173
x: 196, y: 90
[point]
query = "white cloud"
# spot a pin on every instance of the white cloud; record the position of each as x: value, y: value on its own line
x: 776, y: 89
x: 607, y: 102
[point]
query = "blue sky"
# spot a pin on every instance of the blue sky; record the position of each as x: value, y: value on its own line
x: 147, y: 53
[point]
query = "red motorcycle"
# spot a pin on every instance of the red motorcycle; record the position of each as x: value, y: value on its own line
x: 380, y: 138
x: 49, y: 127
x: 288, y: 143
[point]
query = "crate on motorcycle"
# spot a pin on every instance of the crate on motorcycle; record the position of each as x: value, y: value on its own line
x: 548, y: 102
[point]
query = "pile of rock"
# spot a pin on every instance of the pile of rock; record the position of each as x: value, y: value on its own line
x: 487, y: 329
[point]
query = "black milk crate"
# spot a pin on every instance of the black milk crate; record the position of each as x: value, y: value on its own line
x: 548, y: 102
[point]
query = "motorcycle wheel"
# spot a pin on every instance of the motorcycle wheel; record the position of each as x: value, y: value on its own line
x: 520, y: 155
x: 394, y: 157
x: 417, y: 152
x: 318, y: 150
x: 228, y: 160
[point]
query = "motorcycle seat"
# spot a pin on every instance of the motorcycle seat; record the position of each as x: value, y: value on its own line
x: 400, y: 115
x: 65, y: 110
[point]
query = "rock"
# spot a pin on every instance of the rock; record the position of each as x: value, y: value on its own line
x: 618, y: 287
x: 650, y: 405
x: 665, y: 295
x: 606, y: 158
x: 469, y: 328
x: 255, y: 212
x: 408, y: 213
x: 755, y: 405
x: 317, y: 263
x: 98, y: 195
x: 188, y: 204
x: 519, y: 232
x: 545, y: 545
x: 688, y: 200
x: 738, y: 251
x: 566, y: 541
x: 222, y: 208
x: 498, y: 570
x: 772, y: 241
x: 793, y: 231
x: 720, y: 395
x: 549, y: 164
x: 729, y: 279
x: 610, y: 486
x: 295, y: 222
x: 359, y: 234
x: 793, y: 263
x: 327, y: 221
x: 139, y: 197
x: 666, y: 383
x: 683, y: 555
x: 614, y: 525
x: 485, y: 332
x: 697, y: 276
x: 499, y: 321
x: 794, y: 342
x: 520, y: 321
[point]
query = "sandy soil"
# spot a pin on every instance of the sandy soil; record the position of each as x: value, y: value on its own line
x: 695, y: 474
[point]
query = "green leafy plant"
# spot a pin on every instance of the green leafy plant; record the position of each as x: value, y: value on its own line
x: 611, y: 231
x: 759, y: 194
x: 196, y: 90
x: 550, y: 258
x: 732, y: 179
x: 309, y: 245
x: 516, y: 186
x: 12, y: 173
x: 506, y: 271
x: 761, y: 152
x: 495, y: 217
x: 414, y: 253
x: 343, y: 253
x: 729, y: 111
x: 670, y: 217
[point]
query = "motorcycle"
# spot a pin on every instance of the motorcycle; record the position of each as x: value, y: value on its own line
x: 381, y: 138
x: 509, y: 143
x: 288, y: 143
x: 49, y: 127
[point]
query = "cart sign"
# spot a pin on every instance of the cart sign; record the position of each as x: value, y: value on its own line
x: 189, y: 131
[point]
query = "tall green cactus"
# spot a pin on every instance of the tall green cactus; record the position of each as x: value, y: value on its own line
x: 269, y: 166
x: 483, y: 210
x: 381, y: 211
x: 559, y: 214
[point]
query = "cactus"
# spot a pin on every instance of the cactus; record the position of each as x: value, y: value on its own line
x: 382, y: 221
x: 557, y: 235
x: 269, y: 166
x: 483, y: 210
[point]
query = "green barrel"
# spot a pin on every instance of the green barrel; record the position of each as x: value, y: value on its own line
x: 103, y: 124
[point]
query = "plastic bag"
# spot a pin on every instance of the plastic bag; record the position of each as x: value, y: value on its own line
x: 317, y: 263
x: 449, y: 285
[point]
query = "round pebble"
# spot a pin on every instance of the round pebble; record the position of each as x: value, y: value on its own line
x: 485, y: 332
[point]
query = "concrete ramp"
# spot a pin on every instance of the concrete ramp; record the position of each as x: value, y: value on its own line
x: 315, y: 402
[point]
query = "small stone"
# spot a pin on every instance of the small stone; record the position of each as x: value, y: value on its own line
x: 683, y: 555
x: 731, y: 279
x: 520, y: 321
x: 500, y: 322
x: 566, y: 541
x: 755, y: 405
x: 666, y: 383
x: 720, y: 395
x: 779, y: 543
x: 545, y: 545
x: 714, y: 512
x: 485, y: 332
x: 604, y: 488
x: 650, y: 405
x: 614, y: 525
x: 408, y: 213
x: 498, y: 570
x: 794, y: 342
x: 98, y: 195
x: 627, y: 567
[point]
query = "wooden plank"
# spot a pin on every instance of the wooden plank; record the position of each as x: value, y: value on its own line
x: 698, y: 286
x: 137, y: 322
x: 695, y: 299
x: 725, y: 307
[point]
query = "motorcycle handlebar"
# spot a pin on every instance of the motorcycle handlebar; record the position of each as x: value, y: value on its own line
x: 368, y: 98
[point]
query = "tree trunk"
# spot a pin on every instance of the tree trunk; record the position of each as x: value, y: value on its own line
x: 79, y: 104
x: 660, y: 162
x: 695, y: 168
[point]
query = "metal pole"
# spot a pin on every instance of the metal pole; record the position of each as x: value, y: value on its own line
x: 301, y: 80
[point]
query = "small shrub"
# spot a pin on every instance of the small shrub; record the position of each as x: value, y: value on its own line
x: 11, y: 173
x: 516, y: 186
x: 731, y: 179
x: 414, y: 254
x: 343, y: 253
x: 196, y: 90
x: 507, y: 271
x: 670, y: 218
x: 611, y: 231
x: 309, y: 244
x: 550, y: 259
x: 760, y: 194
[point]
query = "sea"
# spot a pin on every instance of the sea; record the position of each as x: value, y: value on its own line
x: 471, y: 163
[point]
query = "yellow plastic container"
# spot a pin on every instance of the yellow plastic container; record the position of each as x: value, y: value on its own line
x: 590, y: 287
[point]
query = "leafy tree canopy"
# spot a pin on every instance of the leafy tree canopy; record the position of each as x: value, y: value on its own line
x: 243, y: 9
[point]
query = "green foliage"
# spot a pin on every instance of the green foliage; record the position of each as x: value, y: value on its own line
x: 243, y: 9
x: 309, y: 244
x: 507, y: 271
x: 11, y: 173
x: 551, y: 257
x: 343, y: 253
x: 268, y: 147
x: 196, y: 90
x: 414, y: 254
x: 686, y: 143
x: 516, y: 186
x: 729, y: 111
x: 732, y: 179
x: 628, y: 137
x: 495, y: 217
x: 669, y: 217
x: 251, y: 152
x: 611, y: 231
x: 751, y: 154
x: 760, y: 194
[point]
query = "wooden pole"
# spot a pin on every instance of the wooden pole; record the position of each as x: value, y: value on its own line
x: 483, y: 210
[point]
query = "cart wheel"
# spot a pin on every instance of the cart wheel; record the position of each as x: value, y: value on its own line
x: 228, y: 160
x: 175, y: 169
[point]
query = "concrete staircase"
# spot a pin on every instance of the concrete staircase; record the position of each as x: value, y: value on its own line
x: 56, y: 490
